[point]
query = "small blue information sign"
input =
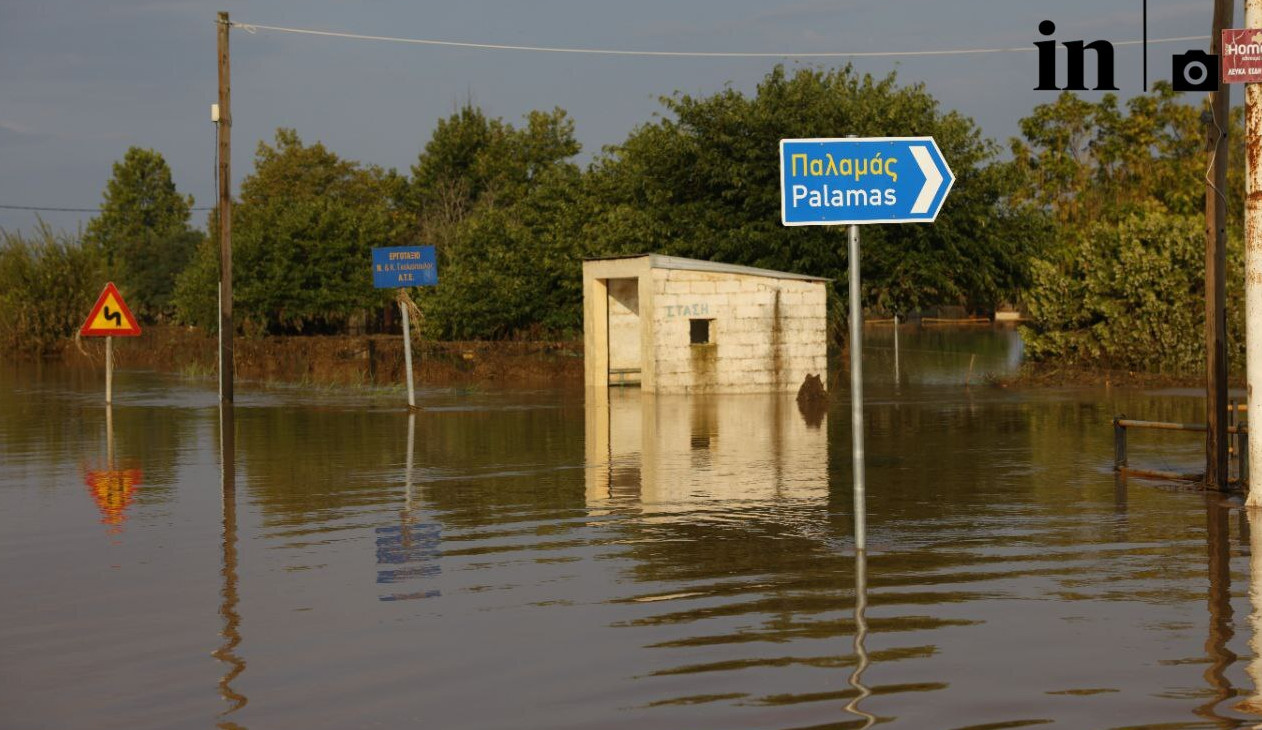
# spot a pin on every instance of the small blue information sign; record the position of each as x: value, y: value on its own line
x: 401, y: 266
x: 849, y: 180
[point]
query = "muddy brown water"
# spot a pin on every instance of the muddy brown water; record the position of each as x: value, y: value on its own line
x: 542, y: 561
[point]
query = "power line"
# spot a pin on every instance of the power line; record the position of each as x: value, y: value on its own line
x: 252, y: 28
x: 45, y: 209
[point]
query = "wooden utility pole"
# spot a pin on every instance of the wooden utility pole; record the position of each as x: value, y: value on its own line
x: 1216, y: 459
x: 225, y: 215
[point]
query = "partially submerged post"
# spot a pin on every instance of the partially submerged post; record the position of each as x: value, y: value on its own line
x: 407, y: 348
x: 400, y: 267
x: 110, y: 318
x: 897, y: 376
x: 1216, y: 439
x: 223, y: 129
x: 856, y: 392
x: 109, y: 370
x: 907, y: 180
x: 1253, y: 245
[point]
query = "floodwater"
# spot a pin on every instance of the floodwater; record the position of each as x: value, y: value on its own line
x: 523, y: 559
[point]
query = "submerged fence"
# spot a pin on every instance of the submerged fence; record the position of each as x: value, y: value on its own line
x: 1238, y: 435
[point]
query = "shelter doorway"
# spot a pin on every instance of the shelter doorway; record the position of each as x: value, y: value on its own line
x: 625, y: 338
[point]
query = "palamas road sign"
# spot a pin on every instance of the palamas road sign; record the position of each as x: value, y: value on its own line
x: 856, y: 180
x: 110, y: 316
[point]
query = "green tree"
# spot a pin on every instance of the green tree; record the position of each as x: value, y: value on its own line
x: 196, y: 296
x: 704, y: 182
x: 1083, y: 162
x: 500, y: 205
x: 302, y: 237
x: 143, y: 232
x: 1120, y: 282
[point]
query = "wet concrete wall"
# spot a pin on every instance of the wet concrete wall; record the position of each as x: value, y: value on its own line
x: 765, y: 334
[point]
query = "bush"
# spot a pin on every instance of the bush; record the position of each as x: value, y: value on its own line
x: 48, y: 284
x: 1130, y: 295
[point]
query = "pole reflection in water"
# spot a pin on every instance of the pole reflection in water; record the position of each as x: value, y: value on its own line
x: 413, y: 547
x: 1253, y: 704
x: 860, y: 636
x: 112, y: 489
x: 1218, y: 539
x: 231, y: 634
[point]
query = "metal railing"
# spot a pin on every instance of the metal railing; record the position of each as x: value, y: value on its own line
x: 1239, y: 446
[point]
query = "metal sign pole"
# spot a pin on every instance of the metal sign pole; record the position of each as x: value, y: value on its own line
x: 856, y: 393
x: 109, y: 437
x: 407, y: 352
x: 109, y: 370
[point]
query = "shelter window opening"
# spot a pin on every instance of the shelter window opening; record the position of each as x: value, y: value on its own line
x: 699, y: 331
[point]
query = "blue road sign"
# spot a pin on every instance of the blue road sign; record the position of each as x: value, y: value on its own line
x: 825, y: 182
x: 400, y: 266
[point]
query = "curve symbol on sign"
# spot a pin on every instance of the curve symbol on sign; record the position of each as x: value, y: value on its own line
x: 933, y: 179
x: 115, y: 317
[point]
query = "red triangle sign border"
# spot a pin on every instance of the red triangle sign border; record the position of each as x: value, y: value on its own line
x: 131, y: 328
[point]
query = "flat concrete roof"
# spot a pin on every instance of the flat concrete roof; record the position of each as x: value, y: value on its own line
x: 658, y: 261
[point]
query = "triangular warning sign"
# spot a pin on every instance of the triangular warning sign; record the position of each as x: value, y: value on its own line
x: 110, y: 317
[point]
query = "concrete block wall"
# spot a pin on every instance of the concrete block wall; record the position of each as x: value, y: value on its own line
x: 766, y: 334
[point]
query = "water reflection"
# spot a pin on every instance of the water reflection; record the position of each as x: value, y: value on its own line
x: 113, y: 489
x: 411, y: 549
x: 723, y: 487
x: 696, y: 570
x: 677, y: 456
x: 926, y: 355
x: 231, y: 632
x: 1253, y: 702
x: 1218, y: 543
x: 860, y: 639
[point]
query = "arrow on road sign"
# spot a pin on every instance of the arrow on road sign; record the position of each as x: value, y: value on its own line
x: 933, y: 179
x: 862, y: 180
x: 110, y: 316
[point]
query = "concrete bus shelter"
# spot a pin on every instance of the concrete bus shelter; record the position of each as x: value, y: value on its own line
x: 676, y: 325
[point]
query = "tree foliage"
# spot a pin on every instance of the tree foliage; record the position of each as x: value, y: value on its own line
x: 498, y: 204
x: 1120, y: 283
x: 196, y: 296
x: 143, y: 232
x: 303, y: 233
x: 48, y: 283
x: 704, y: 182
x: 1131, y: 297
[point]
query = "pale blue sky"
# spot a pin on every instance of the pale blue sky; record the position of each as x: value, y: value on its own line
x: 82, y: 81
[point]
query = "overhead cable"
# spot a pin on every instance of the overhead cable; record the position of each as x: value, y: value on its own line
x: 44, y: 209
x: 252, y: 28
